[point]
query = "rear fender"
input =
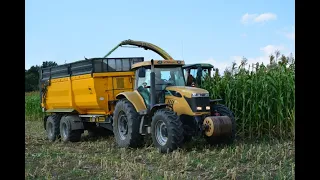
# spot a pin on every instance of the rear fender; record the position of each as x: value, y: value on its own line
x: 135, y: 98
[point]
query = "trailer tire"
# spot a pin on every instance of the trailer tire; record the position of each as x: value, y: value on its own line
x: 167, y: 122
x: 52, y: 127
x: 223, y: 111
x: 127, y: 119
x: 45, y: 122
x: 67, y: 134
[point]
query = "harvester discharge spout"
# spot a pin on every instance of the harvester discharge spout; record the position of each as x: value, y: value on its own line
x: 144, y: 45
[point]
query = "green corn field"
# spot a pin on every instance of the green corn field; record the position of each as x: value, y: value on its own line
x: 261, y: 97
x: 32, y: 106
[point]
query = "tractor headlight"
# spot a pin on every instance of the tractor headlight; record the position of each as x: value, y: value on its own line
x: 199, y: 108
x: 207, y: 107
x: 200, y: 95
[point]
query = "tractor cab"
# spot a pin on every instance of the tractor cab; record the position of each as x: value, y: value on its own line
x: 195, y: 73
x: 166, y: 73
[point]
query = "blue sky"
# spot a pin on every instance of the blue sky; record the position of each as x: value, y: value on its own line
x: 218, y: 32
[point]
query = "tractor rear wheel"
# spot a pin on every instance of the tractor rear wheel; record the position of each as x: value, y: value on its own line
x: 126, y: 124
x: 222, y: 110
x: 166, y: 130
x: 52, y: 127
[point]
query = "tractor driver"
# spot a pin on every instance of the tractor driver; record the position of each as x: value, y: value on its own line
x: 190, y: 78
x: 172, y: 78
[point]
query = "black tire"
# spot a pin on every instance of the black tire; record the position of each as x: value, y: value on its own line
x: 174, y: 130
x: 187, y: 138
x: 223, y: 111
x: 126, y: 112
x: 45, y: 122
x: 67, y: 134
x: 53, y: 127
x: 99, y: 132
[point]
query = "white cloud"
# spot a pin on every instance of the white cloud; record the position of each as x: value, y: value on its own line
x: 264, y: 57
x: 265, y: 17
x: 257, y: 18
x: 247, y: 17
x: 270, y: 49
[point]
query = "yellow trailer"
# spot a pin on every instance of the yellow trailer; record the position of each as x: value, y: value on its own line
x: 86, y: 89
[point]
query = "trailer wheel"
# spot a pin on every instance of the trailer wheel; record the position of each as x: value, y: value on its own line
x: 126, y: 124
x: 52, y: 127
x: 67, y: 134
x: 45, y: 122
x: 222, y: 110
x: 167, y: 131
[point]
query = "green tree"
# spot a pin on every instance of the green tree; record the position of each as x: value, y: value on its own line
x: 46, y: 64
x: 31, y: 82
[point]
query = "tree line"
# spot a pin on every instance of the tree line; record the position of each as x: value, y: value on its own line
x: 31, y: 76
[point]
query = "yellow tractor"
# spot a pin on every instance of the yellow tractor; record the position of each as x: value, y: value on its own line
x: 130, y: 98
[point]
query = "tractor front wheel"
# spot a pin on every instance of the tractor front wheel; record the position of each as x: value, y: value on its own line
x: 166, y: 130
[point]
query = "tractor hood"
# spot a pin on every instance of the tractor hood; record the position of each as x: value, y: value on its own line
x: 188, y: 91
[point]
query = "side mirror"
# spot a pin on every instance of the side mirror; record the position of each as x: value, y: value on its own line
x: 142, y: 72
